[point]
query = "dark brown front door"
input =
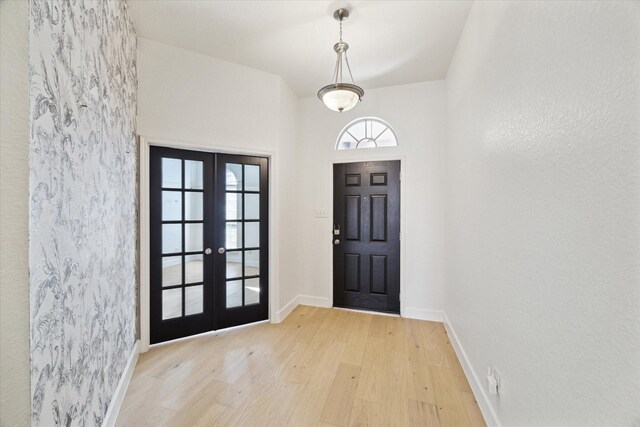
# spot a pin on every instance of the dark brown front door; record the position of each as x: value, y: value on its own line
x: 366, y: 236
x: 209, y: 241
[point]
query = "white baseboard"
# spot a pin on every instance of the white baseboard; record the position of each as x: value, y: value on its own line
x: 296, y: 301
x: 286, y: 310
x: 488, y: 411
x: 422, y: 314
x: 121, y: 389
x: 314, y: 301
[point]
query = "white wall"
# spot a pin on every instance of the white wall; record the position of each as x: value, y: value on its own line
x: 543, y: 195
x: 287, y: 201
x: 213, y: 104
x: 417, y: 114
x: 15, y: 398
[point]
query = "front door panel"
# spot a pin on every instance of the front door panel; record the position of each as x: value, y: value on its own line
x: 366, y: 250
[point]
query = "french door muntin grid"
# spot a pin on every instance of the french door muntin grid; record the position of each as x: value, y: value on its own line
x: 241, y: 221
x: 183, y: 254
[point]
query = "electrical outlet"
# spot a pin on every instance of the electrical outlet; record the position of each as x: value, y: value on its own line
x: 321, y: 213
x: 493, y: 381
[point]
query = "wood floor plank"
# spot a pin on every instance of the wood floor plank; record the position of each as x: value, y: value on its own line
x: 372, y: 385
x: 147, y: 414
x: 423, y: 414
x: 378, y: 327
x: 201, y: 410
x: 395, y: 334
x: 316, y: 392
x: 395, y: 398
x: 319, y: 367
x: 357, y: 339
x: 264, y: 410
x: 420, y: 386
x: 365, y: 413
x: 474, y: 414
x: 337, y: 409
x: 450, y: 405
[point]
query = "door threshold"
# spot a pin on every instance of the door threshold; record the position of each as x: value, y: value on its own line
x: 213, y: 332
x: 358, y: 310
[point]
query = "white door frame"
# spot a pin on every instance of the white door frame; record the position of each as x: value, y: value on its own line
x: 357, y: 158
x: 143, y: 223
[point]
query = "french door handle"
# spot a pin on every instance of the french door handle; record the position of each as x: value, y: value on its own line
x: 207, y: 251
x: 221, y: 250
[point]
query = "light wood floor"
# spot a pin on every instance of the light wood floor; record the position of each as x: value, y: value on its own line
x: 319, y: 367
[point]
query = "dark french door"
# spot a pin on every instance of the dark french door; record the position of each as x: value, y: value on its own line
x: 366, y: 236
x: 241, y: 220
x: 208, y: 241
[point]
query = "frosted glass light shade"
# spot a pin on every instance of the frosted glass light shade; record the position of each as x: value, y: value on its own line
x: 340, y: 96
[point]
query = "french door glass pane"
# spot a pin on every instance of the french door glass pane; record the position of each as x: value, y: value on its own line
x: 171, y: 238
x: 234, y: 264
x: 234, y: 206
x: 171, y: 303
x: 252, y: 177
x: 193, y: 300
x: 193, y: 206
x: 171, y: 173
x: 252, y: 235
x: 193, y: 237
x: 193, y: 268
x: 234, y: 177
x: 251, y: 206
x: 252, y: 263
x: 171, y: 271
x: 234, y: 235
x: 171, y: 205
x: 234, y: 293
x: 251, y: 291
x: 193, y: 174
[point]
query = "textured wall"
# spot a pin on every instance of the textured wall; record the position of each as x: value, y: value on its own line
x: 14, y: 217
x: 83, y: 206
x: 543, y: 202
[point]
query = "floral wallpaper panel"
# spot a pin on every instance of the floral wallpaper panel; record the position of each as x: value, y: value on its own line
x: 83, y: 209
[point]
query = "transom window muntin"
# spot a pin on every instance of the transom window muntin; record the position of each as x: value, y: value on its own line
x: 366, y: 132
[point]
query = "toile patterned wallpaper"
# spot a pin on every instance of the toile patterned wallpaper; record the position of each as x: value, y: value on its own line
x: 83, y: 209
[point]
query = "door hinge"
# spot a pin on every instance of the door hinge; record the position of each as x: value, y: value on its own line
x: 400, y: 236
x: 400, y: 296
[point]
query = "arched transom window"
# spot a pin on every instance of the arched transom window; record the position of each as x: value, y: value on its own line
x: 366, y: 132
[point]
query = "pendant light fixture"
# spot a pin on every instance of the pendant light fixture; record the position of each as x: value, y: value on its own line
x: 340, y: 96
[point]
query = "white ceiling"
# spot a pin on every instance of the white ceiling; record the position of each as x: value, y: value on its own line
x: 391, y: 42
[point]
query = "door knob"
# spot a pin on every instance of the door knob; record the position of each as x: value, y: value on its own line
x: 220, y: 250
x: 336, y: 242
x: 207, y: 251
